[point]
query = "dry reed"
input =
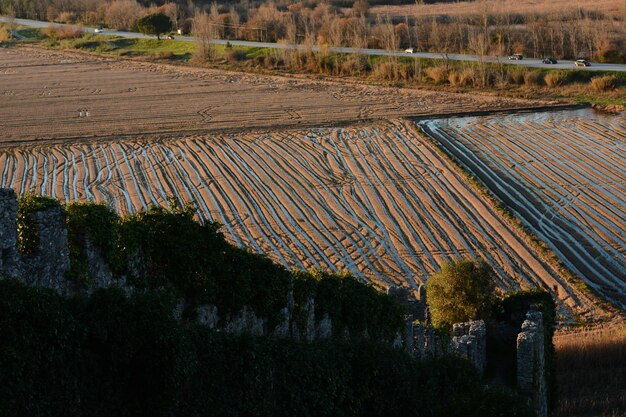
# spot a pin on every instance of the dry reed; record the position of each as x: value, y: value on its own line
x: 555, y: 79
x: 533, y: 78
x: 438, y: 74
x: 604, y: 83
x: 591, y: 373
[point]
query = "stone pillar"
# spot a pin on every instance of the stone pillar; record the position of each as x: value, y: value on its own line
x: 470, y: 342
x: 208, y: 316
x: 531, y: 378
x: 419, y: 339
x: 478, y: 350
x: 9, y: 258
x: 422, y: 306
x: 409, y: 335
x: 50, y: 261
x: 414, y: 301
x: 286, y: 316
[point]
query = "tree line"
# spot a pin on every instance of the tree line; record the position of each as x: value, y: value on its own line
x: 569, y: 34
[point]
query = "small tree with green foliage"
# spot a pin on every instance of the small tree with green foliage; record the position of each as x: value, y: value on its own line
x: 154, y: 24
x: 462, y: 290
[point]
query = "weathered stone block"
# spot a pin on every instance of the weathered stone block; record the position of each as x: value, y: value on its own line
x: 9, y: 258
x: 50, y: 262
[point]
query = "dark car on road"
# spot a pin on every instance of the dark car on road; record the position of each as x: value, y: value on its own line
x: 516, y: 57
x: 549, y: 60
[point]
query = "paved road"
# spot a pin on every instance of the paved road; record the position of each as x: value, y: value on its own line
x: 429, y: 55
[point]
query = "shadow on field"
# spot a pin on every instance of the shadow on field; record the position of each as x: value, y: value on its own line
x: 591, y: 373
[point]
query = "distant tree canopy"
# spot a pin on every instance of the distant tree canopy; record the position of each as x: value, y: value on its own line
x: 462, y: 290
x: 154, y: 24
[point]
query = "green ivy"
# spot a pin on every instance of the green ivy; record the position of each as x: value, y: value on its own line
x: 108, y: 355
x: 27, y: 232
x: 350, y: 304
x: 96, y: 223
x: 166, y: 249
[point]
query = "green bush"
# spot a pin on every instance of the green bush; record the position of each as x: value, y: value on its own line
x: 462, y: 290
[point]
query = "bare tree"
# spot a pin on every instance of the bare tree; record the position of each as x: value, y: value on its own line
x: 206, y: 31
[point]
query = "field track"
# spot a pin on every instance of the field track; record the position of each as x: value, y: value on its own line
x: 42, y: 94
x: 564, y: 174
x: 379, y: 201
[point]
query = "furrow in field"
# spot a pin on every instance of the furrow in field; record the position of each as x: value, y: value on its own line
x: 564, y: 174
x: 377, y: 200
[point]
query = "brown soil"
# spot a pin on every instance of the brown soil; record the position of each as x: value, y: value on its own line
x: 44, y: 91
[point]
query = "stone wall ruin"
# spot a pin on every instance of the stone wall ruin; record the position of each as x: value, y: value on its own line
x: 49, y: 263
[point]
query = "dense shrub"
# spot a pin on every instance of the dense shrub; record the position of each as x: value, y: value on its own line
x: 91, y: 222
x: 154, y: 24
x: 351, y: 305
x: 462, y: 290
x: 235, y: 55
x: 166, y: 249
x: 356, y: 65
x: 111, y: 355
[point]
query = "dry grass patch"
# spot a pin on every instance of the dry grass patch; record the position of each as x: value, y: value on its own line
x: 533, y: 78
x: 5, y: 34
x: 64, y: 32
x: 165, y: 55
x: 517, y: 75
x: 438, y: 74
x: 463, y: 78
x: 555, y: 78
x: 591, y: 373
x: 604, y: 83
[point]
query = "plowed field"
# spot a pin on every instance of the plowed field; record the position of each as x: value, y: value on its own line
x: 564, y: 174
x: 379, y: 201
x: 42, y: 95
